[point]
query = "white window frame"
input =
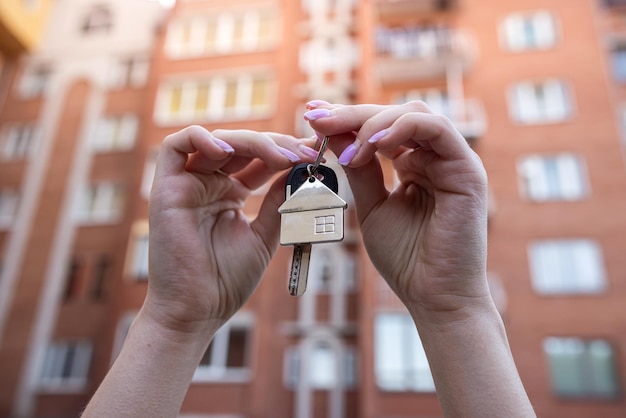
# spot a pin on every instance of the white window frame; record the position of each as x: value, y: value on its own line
x: 584, y: 353
x: 56, y: 362
x: 542, y: 23
x: 137, y: 260
x: 9, y: 204
x: 553, y: 177
x: 176, y: 47
x: 322, y: 366
x: 543, y: 102
x: 97, y: 203
x: 128, y: 72
x: 34, y: 81
x: 243, y: 108
x: 400, y: 363
x: 19, y: 140
x: 115, y: 133
x: 217, y: 370
x: 567, y: 266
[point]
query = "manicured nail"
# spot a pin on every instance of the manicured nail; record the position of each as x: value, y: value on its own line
x: 319, y: 136
x: 294, y: 158
x: 316, y: 103
x: 309, y: 152
x: 377, y: 136
x: 347, y: 155
x: 316, y: 114
x: 224, y: 145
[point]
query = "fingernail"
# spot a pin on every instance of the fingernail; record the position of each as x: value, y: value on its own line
x: 224, y: 145
x: 347, y: 155
x: 319, y: 136
x: 316, y: 114
x: 309, y: 152
x: 377, y: 136
x: 294, y: 158
x: 316, y: 103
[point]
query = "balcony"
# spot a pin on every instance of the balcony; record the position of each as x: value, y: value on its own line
x: 469, y: 119
x: 388, y: 8
x: 417, y: 53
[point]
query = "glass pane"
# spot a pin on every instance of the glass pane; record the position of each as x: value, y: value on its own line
x: 603, y: 381
x: 176, y: 94
x: 202, y: 99
x: 260, y: 94
x: 323, y: 367
x: 237, y: 341
x: 230, y: 99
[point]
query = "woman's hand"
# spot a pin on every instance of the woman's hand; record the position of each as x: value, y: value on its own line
x: 206, y: 256
x: 428, y: 236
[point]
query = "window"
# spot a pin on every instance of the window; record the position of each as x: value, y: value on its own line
x: 554, y: 177
x: 581, y: 369
x: 332, y: 267
x: 400, y: 360
x: 115, y: 133
x: 101, y: 272
x: 228, y: 356
x: 420, y: 42
x: 66, y: 366
x: 437, y: 100
x: 100, y: 203
x: 19, y: 141
x: 545, y: 102
x: 129, y: 72
x: 9, y: 201
x: 566, y: 267
x: 321, y: 364
x: 235, y: 97
x: 34, y: 81
x: 73, y: 278
x: 222, y: 33
x: 138, y: 250
x: 97, y: 20
x: 527, y: 31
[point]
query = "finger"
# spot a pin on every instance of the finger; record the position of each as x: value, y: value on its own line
x: 265, y: 146
x: 255, y: 175
x: 368, y: 187
x: 176, y: 148
x: 426, y: 130
x: 367, y: 120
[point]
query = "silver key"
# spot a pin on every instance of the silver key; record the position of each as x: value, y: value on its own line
x: 299, y: 271
x: 312, y: 212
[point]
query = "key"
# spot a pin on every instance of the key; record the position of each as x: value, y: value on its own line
x: 312, y: 212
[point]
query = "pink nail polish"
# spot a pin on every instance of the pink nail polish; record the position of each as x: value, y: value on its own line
x: 309, y: 152
x: 347, y: 155
x: 378, y: 136
x: 316, y: 103
x: 317, y: 114
x: 223, y: 145
x: 294, y: 158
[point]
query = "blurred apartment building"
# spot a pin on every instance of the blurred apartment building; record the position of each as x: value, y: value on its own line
x: 537, y: 87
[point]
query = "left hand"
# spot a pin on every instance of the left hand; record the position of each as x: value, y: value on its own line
x: 206, y: 256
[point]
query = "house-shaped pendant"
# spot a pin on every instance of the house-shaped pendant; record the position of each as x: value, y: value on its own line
x: 312, y: 214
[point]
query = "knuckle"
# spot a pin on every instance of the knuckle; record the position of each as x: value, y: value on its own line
x: 419, y: 106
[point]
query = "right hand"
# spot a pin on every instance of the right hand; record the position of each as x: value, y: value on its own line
x: 428, y: 236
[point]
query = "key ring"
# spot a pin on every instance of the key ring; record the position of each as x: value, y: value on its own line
x: 312, y: 168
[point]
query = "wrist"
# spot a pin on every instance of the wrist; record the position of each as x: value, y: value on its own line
x: 470, y: 310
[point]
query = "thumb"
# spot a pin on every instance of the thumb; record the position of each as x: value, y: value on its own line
x: 368, y: 186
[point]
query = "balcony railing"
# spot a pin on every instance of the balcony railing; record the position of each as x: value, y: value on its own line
x: 403, y: 7
x: 410, y: 54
